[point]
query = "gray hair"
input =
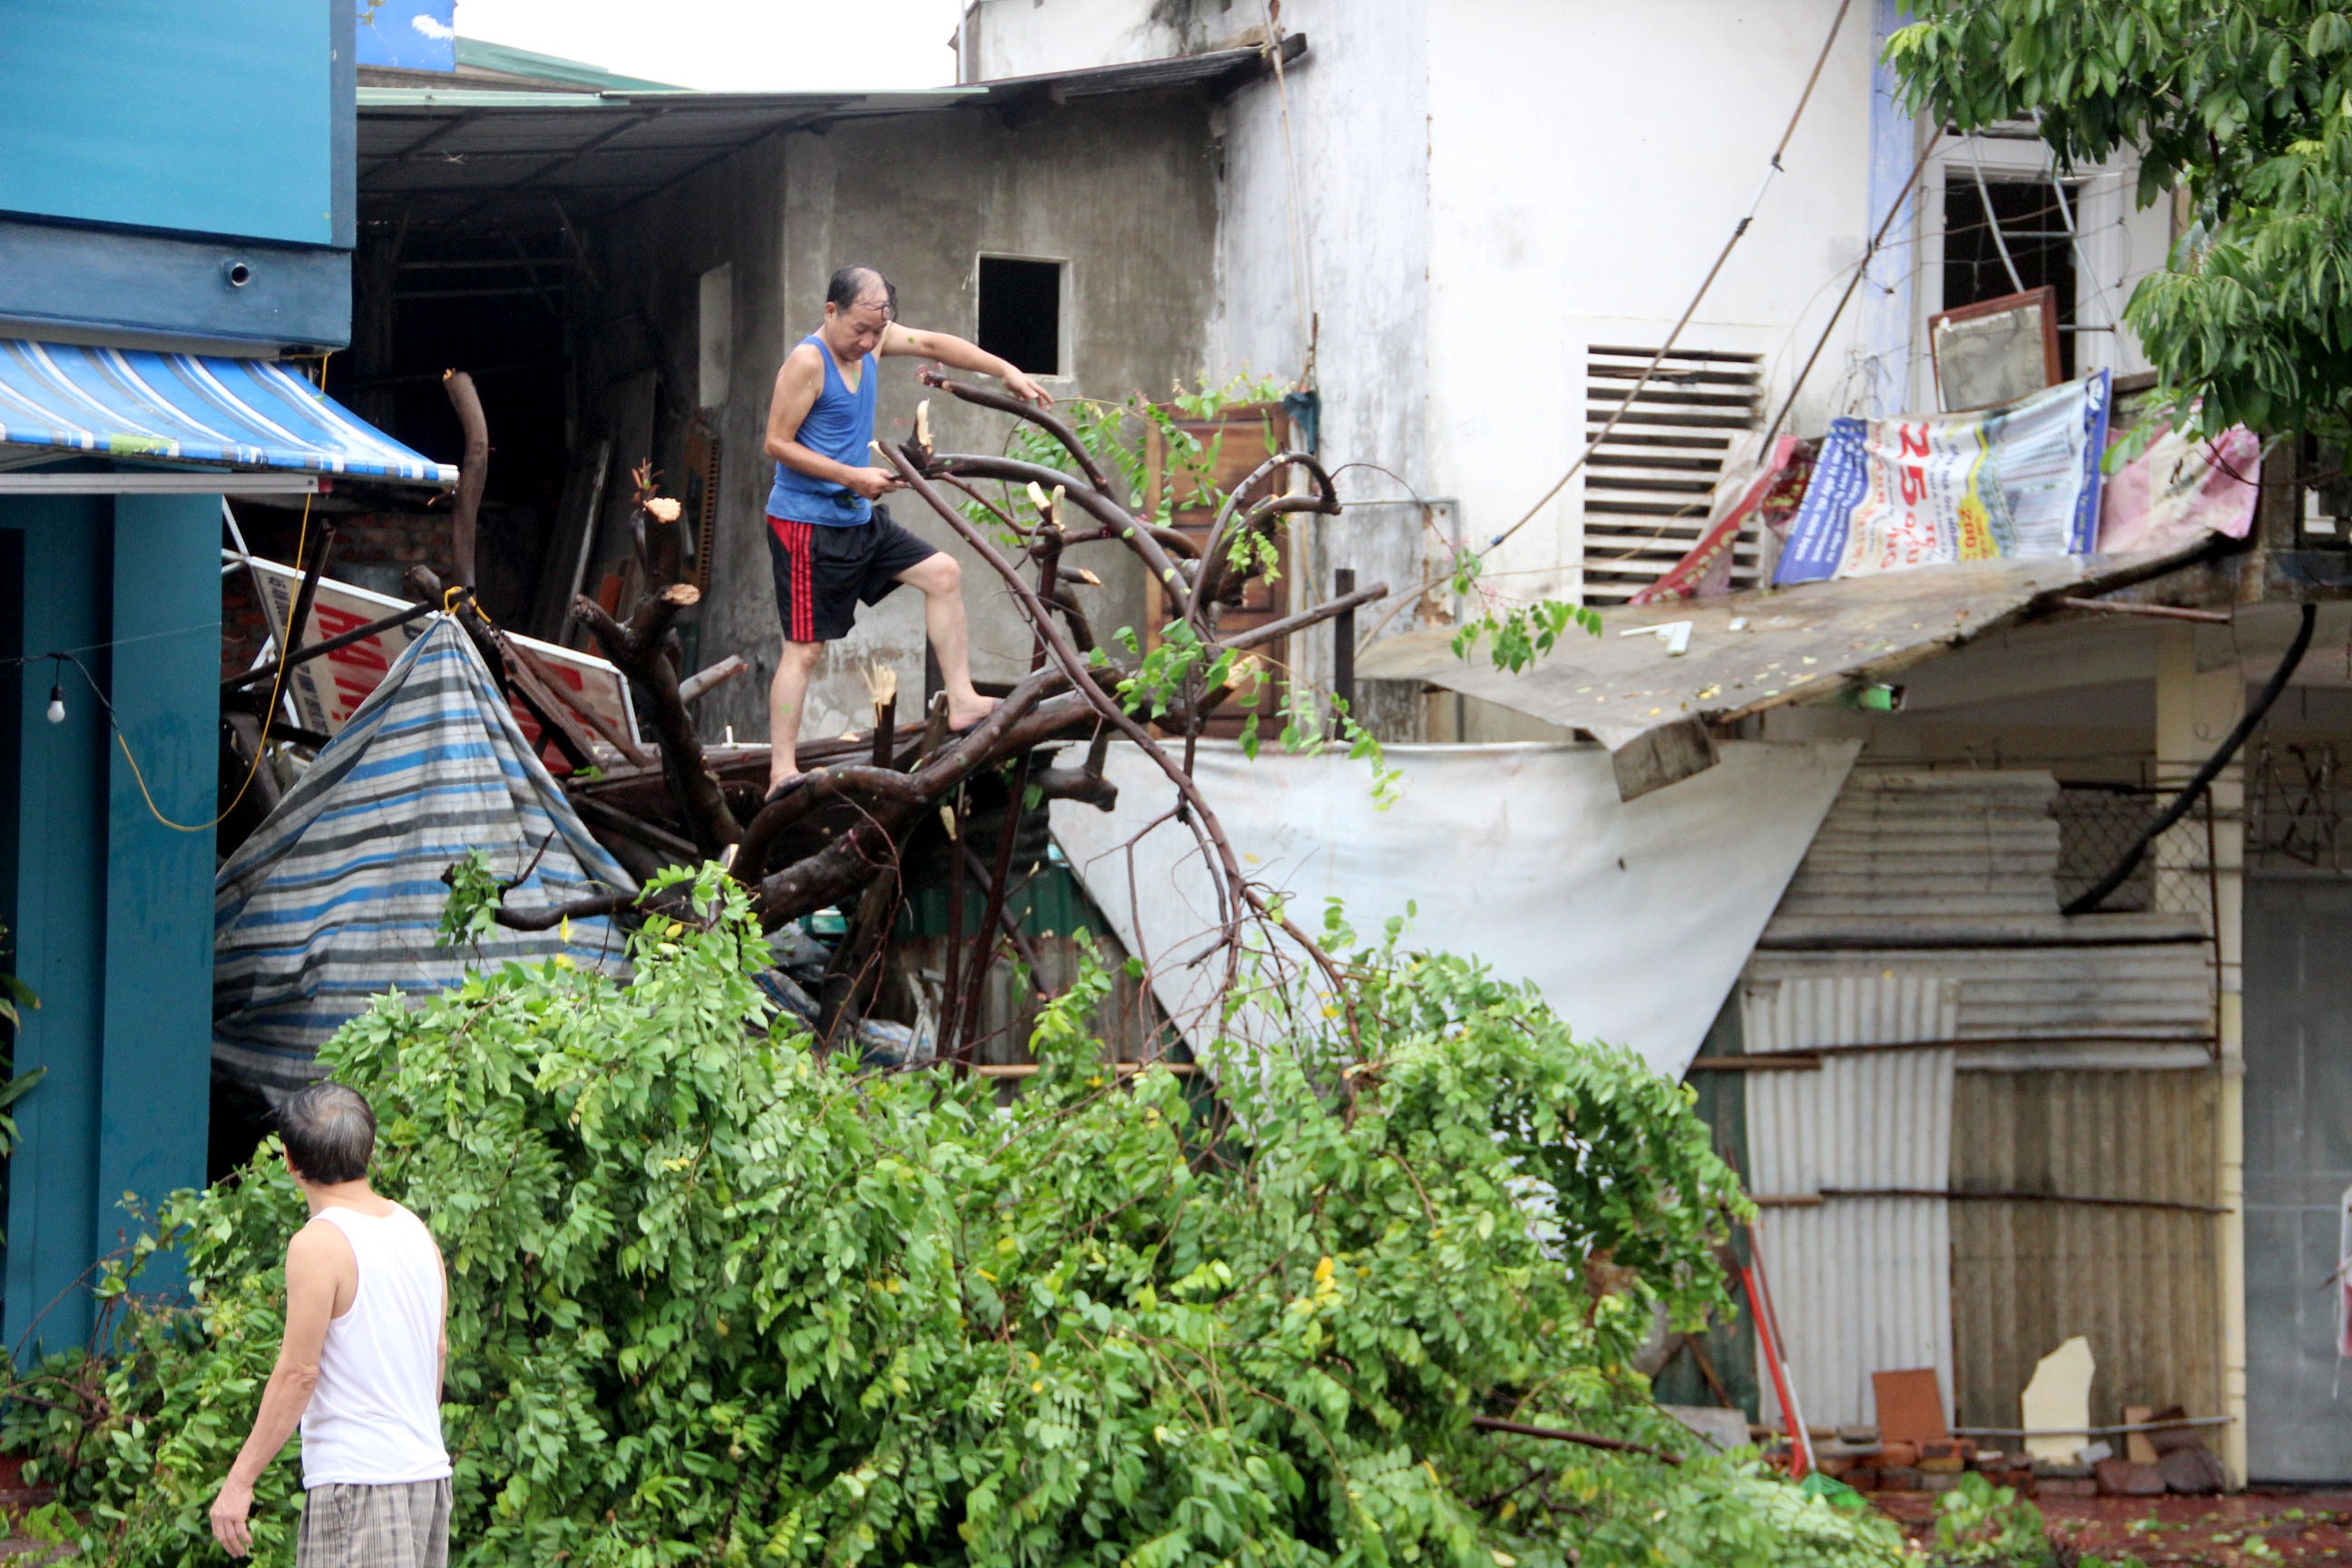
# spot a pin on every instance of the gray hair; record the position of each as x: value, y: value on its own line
x: 330, y: 1132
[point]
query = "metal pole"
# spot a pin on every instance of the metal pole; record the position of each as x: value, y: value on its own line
x: 1343, y: 643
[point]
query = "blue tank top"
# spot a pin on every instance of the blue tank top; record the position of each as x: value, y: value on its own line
x: 839, y: 424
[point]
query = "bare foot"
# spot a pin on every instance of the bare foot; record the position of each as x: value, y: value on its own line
x: 778, y: 783
x: 962, y: 716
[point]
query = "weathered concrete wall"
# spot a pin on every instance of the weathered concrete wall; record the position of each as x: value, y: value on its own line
x: 1329, y: 220
x: 1120, y: 190
x: 1025, y: 38
x: 1469, y: 194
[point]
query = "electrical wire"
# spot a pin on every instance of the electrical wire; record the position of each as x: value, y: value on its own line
x: 25, y: 658
x: 1860, y: 271
x: 1302, y: 262
x: 1773, y: 168
x: 268, y: 715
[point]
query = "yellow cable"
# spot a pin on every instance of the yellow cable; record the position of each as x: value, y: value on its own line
x: 269, y: 714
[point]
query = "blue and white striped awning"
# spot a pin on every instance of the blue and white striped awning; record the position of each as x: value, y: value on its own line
x: 191, y: 408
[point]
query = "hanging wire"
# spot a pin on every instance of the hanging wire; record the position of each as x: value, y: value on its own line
x: 1771, y: 169
x: 1302, y: 261
x: 269, y: 714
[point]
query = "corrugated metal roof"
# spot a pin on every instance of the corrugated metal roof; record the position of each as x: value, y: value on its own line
x: 443, y: 153
x: 1757, y: 651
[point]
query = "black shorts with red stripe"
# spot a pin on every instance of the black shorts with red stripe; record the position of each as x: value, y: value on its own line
x: 823, y: 573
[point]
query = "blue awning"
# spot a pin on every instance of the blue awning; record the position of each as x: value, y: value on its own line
x: 191, y: 408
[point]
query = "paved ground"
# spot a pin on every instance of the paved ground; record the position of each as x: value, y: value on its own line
x: 2252, y: 1529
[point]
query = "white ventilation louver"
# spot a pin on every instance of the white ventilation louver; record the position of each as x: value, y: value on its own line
x: 1647, y: 487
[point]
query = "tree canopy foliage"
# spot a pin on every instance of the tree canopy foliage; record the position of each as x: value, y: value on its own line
x: 720, y: 1299
x: 2243, y: 105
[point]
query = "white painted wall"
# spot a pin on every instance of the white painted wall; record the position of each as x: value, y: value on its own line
x: 1635, y: 138
x: 1332, y: 222
x: 1468, y: 193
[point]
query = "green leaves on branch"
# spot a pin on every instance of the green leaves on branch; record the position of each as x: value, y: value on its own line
x: 717, y: 1299
x: 1519, y: 635
x: 475, y: 891
x: 1117, y: 435
x: 2246, y: 106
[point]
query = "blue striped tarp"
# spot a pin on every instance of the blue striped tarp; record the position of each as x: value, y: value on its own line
x: 191, y: 408
x: 337, y: 896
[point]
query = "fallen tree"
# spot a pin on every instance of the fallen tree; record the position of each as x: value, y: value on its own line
x: 840, y: 835
x: 717, y: 1299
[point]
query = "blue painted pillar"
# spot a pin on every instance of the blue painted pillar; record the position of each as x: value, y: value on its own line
x: 111, y: 909
x: 154, y: 1094
x: 1886, y: 304
x: 57, y: 777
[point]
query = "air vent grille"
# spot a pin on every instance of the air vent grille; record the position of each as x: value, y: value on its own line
x: 1647, y: 487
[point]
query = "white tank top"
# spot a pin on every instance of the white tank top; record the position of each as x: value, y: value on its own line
x: 375, y: 1417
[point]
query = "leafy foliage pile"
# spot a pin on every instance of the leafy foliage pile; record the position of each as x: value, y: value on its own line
x: 2246, y: 105
x: 717, y: 1299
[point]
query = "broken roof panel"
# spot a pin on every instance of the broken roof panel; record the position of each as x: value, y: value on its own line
x: 1753, y: 651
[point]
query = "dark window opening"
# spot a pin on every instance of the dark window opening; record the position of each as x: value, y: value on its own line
x: 2034, y: 230
x: 1021, y: 313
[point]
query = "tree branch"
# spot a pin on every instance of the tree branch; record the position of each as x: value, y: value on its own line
x: 638, y: 649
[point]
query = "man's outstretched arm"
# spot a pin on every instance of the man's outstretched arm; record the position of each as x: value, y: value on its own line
x: 314, y: 1259
x: 963, y: 354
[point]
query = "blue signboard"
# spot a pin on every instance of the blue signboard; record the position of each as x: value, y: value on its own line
x: 413, y: 34
x: 155, y: 114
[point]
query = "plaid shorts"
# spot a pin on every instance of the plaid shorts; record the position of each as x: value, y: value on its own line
x: 400, y: 1526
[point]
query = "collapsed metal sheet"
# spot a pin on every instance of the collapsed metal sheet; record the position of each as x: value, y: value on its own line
x: 1757, y: 651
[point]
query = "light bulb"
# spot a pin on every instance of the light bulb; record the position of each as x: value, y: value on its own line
x: 57, y: 704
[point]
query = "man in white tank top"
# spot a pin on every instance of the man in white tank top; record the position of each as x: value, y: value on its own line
x: 360, y: 1364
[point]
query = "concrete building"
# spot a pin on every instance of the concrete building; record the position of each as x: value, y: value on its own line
x: 1467, y: 225
x: 1476, y: 221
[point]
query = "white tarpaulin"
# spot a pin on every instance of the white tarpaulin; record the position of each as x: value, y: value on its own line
x: 1634, y: 917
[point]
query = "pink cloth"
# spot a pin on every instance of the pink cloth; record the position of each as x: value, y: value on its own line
x: 2179, y: 491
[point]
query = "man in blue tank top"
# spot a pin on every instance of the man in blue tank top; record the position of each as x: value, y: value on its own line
x: 831, y: 547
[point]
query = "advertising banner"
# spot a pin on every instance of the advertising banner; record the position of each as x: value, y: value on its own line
x: 325, y: 690
x: 2022, y: 480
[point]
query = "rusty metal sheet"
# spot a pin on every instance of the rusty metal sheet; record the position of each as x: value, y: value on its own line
x: 2143, y: 1284
x: 1752, y: 651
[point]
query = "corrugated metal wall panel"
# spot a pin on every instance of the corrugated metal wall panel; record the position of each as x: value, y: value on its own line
x: 1859, y: 1284
x: 1789, y: 1007
x: 2058, y: 994
x: 1867, y: 1285
x: 2141, y: 1284
x: 1942, y: 844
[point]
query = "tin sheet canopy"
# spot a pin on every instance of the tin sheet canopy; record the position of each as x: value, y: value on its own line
x: 189, y: 408
x: 1749, y: 652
